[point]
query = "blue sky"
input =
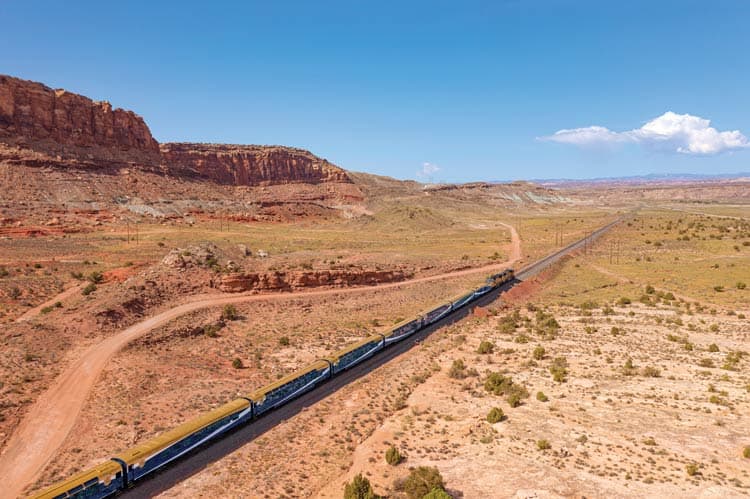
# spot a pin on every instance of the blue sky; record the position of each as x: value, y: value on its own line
x: 476, y: 90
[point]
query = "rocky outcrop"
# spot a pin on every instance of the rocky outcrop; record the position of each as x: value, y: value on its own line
x: 250, y: 165
x: 58, y: 122
x: 289, y: 281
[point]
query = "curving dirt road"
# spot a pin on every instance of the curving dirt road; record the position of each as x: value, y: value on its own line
x: 52, y: 417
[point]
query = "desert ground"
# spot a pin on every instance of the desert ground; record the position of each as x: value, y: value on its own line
x: 648, y: 327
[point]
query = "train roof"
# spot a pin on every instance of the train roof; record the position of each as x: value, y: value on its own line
x: 141, y: 452
x: 260, y: 393
x: 335, y: 356
x: 104, y: 472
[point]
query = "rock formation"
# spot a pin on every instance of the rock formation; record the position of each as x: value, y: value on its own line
x: 280, y: 281
x: 250, y: 165
x: 61, y: 123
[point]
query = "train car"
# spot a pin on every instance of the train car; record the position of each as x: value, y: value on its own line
x: 462, y: 300
x: 102, y: 481
x: 403, y: 330
x: 152, y: 454
x: 290, y: 386
x: 437, y: 313
x: 356, y: 353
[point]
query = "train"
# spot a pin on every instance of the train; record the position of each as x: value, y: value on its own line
x: 125, y: 469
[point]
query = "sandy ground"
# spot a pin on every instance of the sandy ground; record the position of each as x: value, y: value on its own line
x: 55, y: 412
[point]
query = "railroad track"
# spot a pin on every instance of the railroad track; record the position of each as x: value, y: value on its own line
x: 215, y: 450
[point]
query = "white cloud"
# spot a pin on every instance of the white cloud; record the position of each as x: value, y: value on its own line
x: 427, y: 170
x: 682, y: 133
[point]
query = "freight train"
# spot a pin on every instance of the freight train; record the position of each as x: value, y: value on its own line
x: 130, y: 466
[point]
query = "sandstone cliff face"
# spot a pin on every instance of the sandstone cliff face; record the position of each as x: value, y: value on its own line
x: 280, y: 281
x: 57, y: 122
x: 251, y: 165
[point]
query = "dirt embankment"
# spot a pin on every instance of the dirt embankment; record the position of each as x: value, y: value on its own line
x: 295, y: 280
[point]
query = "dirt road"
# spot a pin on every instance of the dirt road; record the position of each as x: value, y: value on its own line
x: 52, y: 417
x: 49, y: 303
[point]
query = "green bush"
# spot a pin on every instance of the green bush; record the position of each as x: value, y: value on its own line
x: 90, y: 288
x: 237, y: 363
x: 539, y: 352
x: 558, y: 369
x: 46, y: 310
x: 650, y: 290
x: 486, y: 347
x: 422, y: 481
x: 95, y: 277
x: 543, y: 444
x: 541, y: 397
x: 438, y: 494
x: 495, y: 415
x: 229, y: 313
x: 393, y: 456
x: 691, y: 469
x: 458, y: 369
x: 284, y: 341
x: 741, y: 285
x: 624, y: 300
x: 359, y: 488
x: 746, y: 452
x: 713, y: 347
x: 514, y: 400
x: 498, y: 384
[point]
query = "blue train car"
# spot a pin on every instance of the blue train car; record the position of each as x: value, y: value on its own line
x: 152, y: 454
x: 290, y: 386
x: 356, y: 353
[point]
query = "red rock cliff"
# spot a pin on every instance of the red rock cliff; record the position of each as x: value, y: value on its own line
x: 35, y: 116
x: 251, y: 165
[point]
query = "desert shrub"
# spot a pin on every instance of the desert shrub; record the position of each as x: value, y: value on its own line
x: 95, y: 277
x: 458, y: 369
x: 495, y: 415
x: 559, y: 369
x: 210, y: 330
x: 718, y: 289
x: 731, y: 361
x: 650, y: 290
x: 359, y: 488
x: 507, y: 324
x: 541, y: 397
x: 438, y: 494
x: 543, y: 444
x: 88, y: 289
x: 499, y: 384
x: 393, y: 456
x: 284, y: 341
x: 741, y: 285
x: 237, y: 363
x: 539, y: 352
x: 649, y: 441
x: 691, y: 469
x: 229, y: 313
x: 713, y: 347
x: 514, y: 399
x: 486, y: 347
x: 706, y: 363
x: 650, y: 372
x: 624, y: 300
x: 628, y: 369
x: 422, y: 481
x: 714, y: 328
x: 4, y: 272
x: 746, y: 452
x: 77, y: 275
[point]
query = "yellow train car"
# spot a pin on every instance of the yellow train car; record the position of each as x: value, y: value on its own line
x: 103, y: 480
